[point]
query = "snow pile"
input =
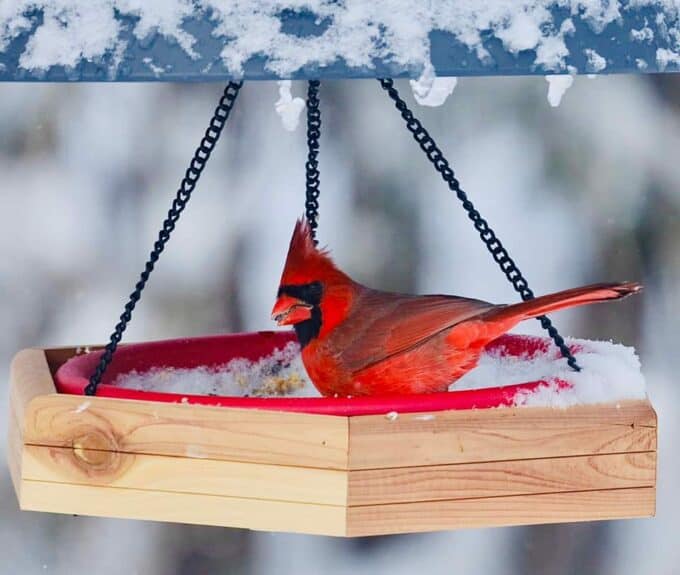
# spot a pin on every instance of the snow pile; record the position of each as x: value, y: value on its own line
x: 72, y: 30
x: 428, y: 90
x: 287, y: 107
x: 557, y: 87
x: 279, y: 374
x: 356, y: 31
x: 666, y: 57
x: 596, y: 63
x: 611, y: 372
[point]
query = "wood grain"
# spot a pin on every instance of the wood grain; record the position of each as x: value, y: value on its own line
x: 176, y: 429
x: 258, y: 514
x: 185, y: 475
x: 500, y: 478
x: 14, y: 451
x: 500, y: 511
x: 149, y: 427
x: 500, y: 434
x: 30, y: 377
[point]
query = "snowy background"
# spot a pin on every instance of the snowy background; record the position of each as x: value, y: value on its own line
x: 584, y: 192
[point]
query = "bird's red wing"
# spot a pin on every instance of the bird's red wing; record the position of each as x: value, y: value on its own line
x: 383, y: 325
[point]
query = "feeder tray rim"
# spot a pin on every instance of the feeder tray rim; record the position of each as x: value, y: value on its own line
x: 72, y: 377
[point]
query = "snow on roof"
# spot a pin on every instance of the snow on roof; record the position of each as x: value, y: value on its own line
x: 292, y: 35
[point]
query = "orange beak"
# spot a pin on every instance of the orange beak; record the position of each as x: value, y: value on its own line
x: 289, y: 310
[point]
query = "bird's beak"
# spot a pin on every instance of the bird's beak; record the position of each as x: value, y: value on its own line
x: 289, y: 310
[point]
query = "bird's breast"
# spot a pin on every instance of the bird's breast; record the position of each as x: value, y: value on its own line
x: 325, y: 369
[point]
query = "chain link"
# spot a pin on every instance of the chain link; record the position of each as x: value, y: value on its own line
x: 189, y: 181
x: 488, y: 236
x: 312, y: 165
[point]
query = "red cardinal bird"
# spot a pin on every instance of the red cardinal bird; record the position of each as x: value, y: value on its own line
x: 360, y: 341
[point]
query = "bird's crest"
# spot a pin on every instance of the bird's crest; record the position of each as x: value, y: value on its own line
x: 307, y: 263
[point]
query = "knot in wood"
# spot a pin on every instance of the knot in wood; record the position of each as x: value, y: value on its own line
x: 96, y: 451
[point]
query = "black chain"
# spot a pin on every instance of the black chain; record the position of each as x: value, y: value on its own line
x: 312, y: 165
x: 492, y: 243
x: 189, y: 181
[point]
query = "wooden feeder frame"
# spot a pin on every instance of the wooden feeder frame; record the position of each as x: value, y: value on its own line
x: 324, y: 474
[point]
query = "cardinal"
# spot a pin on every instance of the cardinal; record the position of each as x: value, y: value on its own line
x: 360, y: 341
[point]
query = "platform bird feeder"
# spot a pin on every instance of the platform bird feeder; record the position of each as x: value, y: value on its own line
x: 78, y: 444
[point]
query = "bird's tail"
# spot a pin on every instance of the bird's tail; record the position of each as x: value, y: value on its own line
x: 577, y: 296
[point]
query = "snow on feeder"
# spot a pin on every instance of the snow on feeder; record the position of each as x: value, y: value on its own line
x: 207, y: 431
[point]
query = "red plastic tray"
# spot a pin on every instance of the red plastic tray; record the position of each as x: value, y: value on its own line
x: 73, y: 376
